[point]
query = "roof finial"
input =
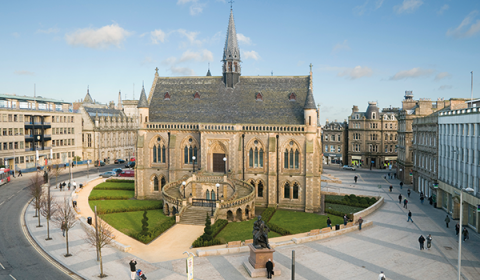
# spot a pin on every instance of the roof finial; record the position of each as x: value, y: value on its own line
x: 143, y: 85
x: 209, y: 66
x: 311, y: 65
x: 156, y: 70
x: 231, y: 4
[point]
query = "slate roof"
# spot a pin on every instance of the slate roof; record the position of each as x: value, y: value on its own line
x: 142, y: 102
x: 218, y: 104
x: 103, y: 112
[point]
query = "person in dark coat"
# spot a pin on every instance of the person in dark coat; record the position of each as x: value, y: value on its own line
x: 401, y: 185
x: 360, y: 222
x: 329, y: 222
x: 405, y: 202
x: 447, y: 220
x: 20, y: 173
x: 409, y: 217
x: 345, y: 220
x: 400, y: 198
x: 133, y: 269
x: 421, y: 240
x: 408, y: 192
x: 465, y: 234
x: 457, y: 229
x: 269, y: 266
x: 355, y: 178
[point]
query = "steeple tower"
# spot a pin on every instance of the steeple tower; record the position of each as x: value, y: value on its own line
x: 88, y: 98
x: 231, y: 56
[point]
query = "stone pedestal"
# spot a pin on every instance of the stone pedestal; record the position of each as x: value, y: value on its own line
x: 255, y: 264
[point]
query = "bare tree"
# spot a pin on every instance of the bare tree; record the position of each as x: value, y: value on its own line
x: 48, y: 207
x: 65, y: 218
x: 99, y: 239
x: 56, y: 171
x: 36, y: 191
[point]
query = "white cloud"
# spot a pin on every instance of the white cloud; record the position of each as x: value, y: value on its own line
x: 412, y: 73
x: 182, y: 71
x: 102, y: 37
x: 443, y: 9
x: 244, y: 39
x: 444, y: 87
x: 408, y: 6
x: 356, y: 72
x: 16, y: 34
x: 463, y: 29
x: 341, y: 46
x: 251, y: 55
x: 191, y: 36
x: 196, y: 8
x: 48, y: 31
x: 24, y: 73
x: 204, y: 55
x: 442, y: 75
x: 378, y: 4
x: 157, y: 36
x: 169, y: 61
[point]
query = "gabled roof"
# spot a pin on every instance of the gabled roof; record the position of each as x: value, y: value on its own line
x: 103, y: 112
x: 142, y: 102
x: 88, y: 98
x: 231, y: 50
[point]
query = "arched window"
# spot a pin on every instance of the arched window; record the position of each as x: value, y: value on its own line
x: 260, y: 164
x: 285, y: 165
x: 207, y: 194
x: 291, y: 158
x: 154, y: 153
x: 260, y: 189
x: 250, y: 157
x: 189, y: 151
x: 163, y: 153
x: 296, y: 159
x: 155, y: 184
x: 256, y: 157
x: 158, y: 151
x: 286, y: 190
x: 295, y: 191
x: 163, y: 182
x: 185, y: 153
x: 213, y: 195
x: 391, y: 136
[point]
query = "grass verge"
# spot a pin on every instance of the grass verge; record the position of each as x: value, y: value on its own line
x: 236, y: 231
x: 111, y: 194
x: 298, y: 222
x: 128, y: 186
x: 118, y: 206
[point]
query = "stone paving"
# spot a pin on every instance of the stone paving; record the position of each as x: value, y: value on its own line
x: 390, y: 245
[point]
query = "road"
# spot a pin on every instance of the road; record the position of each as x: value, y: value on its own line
x: 18, y: 258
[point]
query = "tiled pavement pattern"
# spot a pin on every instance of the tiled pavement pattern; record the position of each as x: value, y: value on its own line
x: 390, y: 245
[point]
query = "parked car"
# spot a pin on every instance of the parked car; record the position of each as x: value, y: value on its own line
x: 117, y: 171
x: 349, y: 167
x: 119, y: 161
x: 130, y: 164
x: 127, y: 173
x: 108, y: 174
x: 101, y: 163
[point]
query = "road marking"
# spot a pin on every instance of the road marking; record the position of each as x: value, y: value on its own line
x: 10, y: 197
x: 2, y: 265
x: 13, y: 277
x: 2, y: 203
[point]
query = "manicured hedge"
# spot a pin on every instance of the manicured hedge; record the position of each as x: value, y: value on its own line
x: 278, y: 229
x: 216, y: 228
x: 338, y: 213
x: 352, y: 200
x: 119, y: 181
x: 267, y: 214
x: 127, y: 209
x: 152, y: 234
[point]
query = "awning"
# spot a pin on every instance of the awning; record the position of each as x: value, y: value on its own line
x: 390, y: 158
x: 356, y: 157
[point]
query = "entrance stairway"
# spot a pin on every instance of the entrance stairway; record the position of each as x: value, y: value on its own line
x: 195, y: 215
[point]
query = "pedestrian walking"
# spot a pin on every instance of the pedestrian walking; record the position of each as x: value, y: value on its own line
x: 421, y: 240
x: 408, y: 192
x: 388, y: 175
x: 74, y: 184
x: 422, y: 198
x: 400, y: 198
x: 465, y: 234
x: 13, y: 173
x: 269, y: 266
x: 430, y: 200
x: 409, y: 217
x: 405, y: 201
x: 133, y: 269
x: 355, y: 178
x: 345, y: 220
x: 360, y: 222
x: 429, y: 241
x: 391, y: 188
x: 68, y: 185
x: 20, y: 173
x: 447, y: 220
x: 457, y: 229
x: 61, y: 187
x: 401, y: 185
x: 381, y: 276
x: 329, y: 222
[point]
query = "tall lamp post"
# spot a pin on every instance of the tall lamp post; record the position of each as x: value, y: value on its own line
x: 225, y: 160
x: 184, y: 184
x: 469, y: 190
x: 218, y: 187
x: 194, y: 158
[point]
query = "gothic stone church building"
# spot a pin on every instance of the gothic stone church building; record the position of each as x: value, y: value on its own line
x: 257, y: 129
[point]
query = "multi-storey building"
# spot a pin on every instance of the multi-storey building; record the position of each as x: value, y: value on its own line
x: 37, y: 131
x: 372, y: 137
x: 459, y: 163
x: 335, y: 141
x: 107, y: 132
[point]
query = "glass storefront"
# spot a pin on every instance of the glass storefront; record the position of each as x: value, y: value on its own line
x: 472, y: 216
x: 444, y: 201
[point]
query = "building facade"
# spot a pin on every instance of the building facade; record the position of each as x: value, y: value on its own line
x: 335, y: 141
x: 37, y: 131
x: 261, y: 130
x: 372, y: 137
x: 459, y: 163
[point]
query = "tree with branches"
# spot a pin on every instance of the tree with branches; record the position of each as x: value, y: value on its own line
x: 99, y: 239
x: 48, y: 207
x: 36, y: 191
x: 56, y: 171
x: 65, y: 218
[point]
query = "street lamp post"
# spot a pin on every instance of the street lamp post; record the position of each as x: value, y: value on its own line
x: 184, y: 184
x: 194, y: 158
x: 225, y: 160
x: 218, y: 187
x: 469, y: 190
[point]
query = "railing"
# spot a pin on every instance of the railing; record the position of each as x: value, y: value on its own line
x: 241, y: 200
x: 203, y: 202
x: 224, y: 127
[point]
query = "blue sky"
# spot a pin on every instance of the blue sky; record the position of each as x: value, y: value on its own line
x: 361, y: 51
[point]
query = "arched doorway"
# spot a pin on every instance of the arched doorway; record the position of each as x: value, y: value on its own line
x: 247, y: 212
x: 166, y: 210
x: 239, y: 215
x: 216, y: 154
x: 230, y: 216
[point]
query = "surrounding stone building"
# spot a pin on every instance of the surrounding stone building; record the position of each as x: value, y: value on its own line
x: 459, y: 163
x: 37, y: 131
x: 372, y: 137
x: 107, y: 132
x: 335, y: 142
x: 260, y: 131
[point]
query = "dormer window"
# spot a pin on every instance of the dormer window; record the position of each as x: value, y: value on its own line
x: 292, y: 97
x: 166, y: 96
x: 259, y: 97
x: 196, y: 96
x: 374, y: 116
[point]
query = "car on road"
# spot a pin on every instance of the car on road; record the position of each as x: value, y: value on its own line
x: 346, y: 167
x: 130, y: 164
x: 119, y: 161
x: 127, y: 173
x: 117, y: 171
x: 108, y: 174
x: 101, y: 163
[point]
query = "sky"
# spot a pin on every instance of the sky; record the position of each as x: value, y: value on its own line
x: 361, y: 50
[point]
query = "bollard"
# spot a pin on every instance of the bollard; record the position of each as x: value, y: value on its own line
x: 293, y: 264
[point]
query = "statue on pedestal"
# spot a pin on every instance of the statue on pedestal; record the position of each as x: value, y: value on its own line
x: 260, y: 234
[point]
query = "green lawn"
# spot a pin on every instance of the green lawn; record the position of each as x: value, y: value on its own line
x: 298, y: 222
x: 131, y: 222
x: 111, y: 205
x: 240, y: 231
x: 112, y: 194
x: 334, y: 197
x: 343, y: 208
x: 115, y: 186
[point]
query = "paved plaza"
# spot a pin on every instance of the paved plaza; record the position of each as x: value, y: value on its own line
x: 391, y: 245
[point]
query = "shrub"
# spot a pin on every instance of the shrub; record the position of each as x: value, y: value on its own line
x: 203, y: 243
x: 363, y: 201
x: 150, y: 235
x: 119, y: 188
x: 104, y: 197
x: 216, y: 228
x: 278, y: 229
x: 267, y: 214
x: 338, y: 213
x: 144, y: 223
x: 127, y: 209
x: 207, y: 231
x: 119, y: 181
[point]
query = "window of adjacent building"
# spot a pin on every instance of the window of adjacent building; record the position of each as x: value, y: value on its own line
x: 155, y: 184
x: 189, y: 151
x: 10, y: 132
x: 10, y: 145
x: 15, y: 118
x: 326, y: 137
x: 338, y: 138
x: 260, y: 189
x: 5, y: 146
x: 16, y: 145
x: 15, y: 131
x: 326, y: 148
x: 158, y: 152
x: 9, y: 117
x: 69, y: 154
x: 332, y: 148
x: 255, y: 157
x: 73, y: 141
x: 295, y: 191
x: 21, y: 145
x: 338, y: 149
x: 386, y: 149
x: 89, y: 140
x: 291, y: 157
x: 22, y: 159
x: 286, y: 190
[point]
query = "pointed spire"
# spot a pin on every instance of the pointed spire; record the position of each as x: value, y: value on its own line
x: 231, y: 50
x: 88, y: 98
x: 310, y: 101
x: 142, y: 102
x: 208, y: 72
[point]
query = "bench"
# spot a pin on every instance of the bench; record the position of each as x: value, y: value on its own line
x: 314, y: 232
x: 234, y: 244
